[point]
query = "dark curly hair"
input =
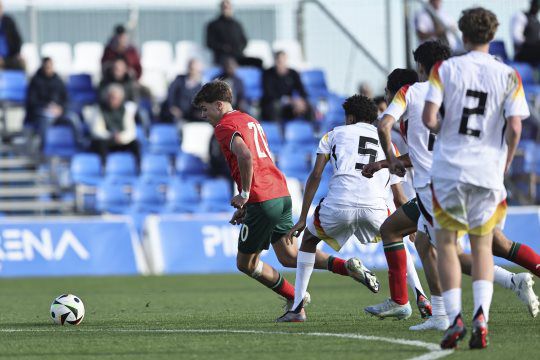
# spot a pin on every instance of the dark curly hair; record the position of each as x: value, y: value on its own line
x: 478, y: 25
x: 399, y: 78
x: 216, y: 90
x: 430, y: 53
x: 362, y: 108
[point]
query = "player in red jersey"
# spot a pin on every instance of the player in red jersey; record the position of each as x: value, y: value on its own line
x: 263, y: 203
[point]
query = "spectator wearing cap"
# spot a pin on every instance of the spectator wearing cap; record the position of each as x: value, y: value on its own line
x: 119, y: 47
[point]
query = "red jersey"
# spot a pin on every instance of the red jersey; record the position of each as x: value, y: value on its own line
x: 268, y: 182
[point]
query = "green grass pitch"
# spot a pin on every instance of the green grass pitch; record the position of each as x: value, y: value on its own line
x: 123, y: 316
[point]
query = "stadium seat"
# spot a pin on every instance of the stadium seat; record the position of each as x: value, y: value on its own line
x: 293, y: 50
x: 314, y: 83
x: 87, y: 58
x: 211, y: 73
x: 13, y: 86
x: 497, y: 48
x: 182, y: 197
x: 146, y: 198
x: 273, y: 136
x: 86, y: 169
x: 216, y: 196
x: 299, y: 133
x: 59, y: 142
x: 156, y: 55
x: 155, y: 168
x: 530, y: 85
x: 294, y: 165
x: 121, y: 167
x: 196, y: 139
x: 189, y: 167
x: 30, y: 54
x: 186, y: 50
x: 252, y: 79
x: 260, y: 49
x: 112, y: 197
x: 164, y: 139
x: 142, y: 138
x: 80, y: 90
x: 60, y: 53
x: 156, y: 81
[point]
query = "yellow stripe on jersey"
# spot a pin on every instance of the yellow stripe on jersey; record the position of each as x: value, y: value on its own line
x: 518, y: 92
x: 399, y: 98
x: 445, y: 220
x: 321, y: 234
x: 495, y: 219
x: 435, y: 78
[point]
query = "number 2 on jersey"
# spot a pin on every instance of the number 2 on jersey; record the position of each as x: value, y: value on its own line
x: 259, y: 132
x: 364, y: 150
x: 479, y: 110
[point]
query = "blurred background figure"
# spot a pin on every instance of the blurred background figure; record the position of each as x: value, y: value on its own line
x: 525, y: 30
x: 381, y: 104
x: 181, y: 92
x: 120, y: 47
x: 10, y: 43
x: 365, y: 89
x: 237, y: 85
x: 432, y: 23
x: 284, y: 96
x: 118, y: 73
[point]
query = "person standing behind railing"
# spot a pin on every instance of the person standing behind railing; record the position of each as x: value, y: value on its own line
x: 433, y: 23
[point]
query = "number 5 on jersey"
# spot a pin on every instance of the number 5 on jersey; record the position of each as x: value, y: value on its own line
x: 258, y: 132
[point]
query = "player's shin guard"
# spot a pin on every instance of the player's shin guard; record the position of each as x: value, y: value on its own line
x: 304, y: 269
x: 523, y: 255
x: 283, y: 288
x: 397, y: 271
x: 337, y: 266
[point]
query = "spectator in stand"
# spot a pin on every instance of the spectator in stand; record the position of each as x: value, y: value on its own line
x: 237, y: 85
x: 113, y: 126
x: 178, y: 105
x: 365, y: 89
x: 525, y: 29
x: 119, y: 47
x: 46, y: 101
x: 226, y: 38
x: 284, y: 96
x: 118, y: 73
x: 381, y: 103
x: 432, y: 23
x: 10, y: 43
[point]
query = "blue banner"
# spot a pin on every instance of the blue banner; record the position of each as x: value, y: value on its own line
x: 69, y: 246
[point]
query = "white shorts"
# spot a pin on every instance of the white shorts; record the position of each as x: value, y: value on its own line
x: 464, y: 207
x: 335, y: 226
x: 424, y: 200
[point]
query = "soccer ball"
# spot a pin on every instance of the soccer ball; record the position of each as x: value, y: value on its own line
x: 67, y: 308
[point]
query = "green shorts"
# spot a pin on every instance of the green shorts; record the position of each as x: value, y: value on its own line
x: 265, y: 223
x: 411, y: 209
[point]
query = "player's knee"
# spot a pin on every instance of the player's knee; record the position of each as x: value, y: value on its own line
x: 245, y: 266
x: 288, y: 261
x: 387, y: 231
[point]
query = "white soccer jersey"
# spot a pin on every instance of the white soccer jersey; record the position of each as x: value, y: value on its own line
x: 476, y: 93
x: 349, y: 148
x: 407, y: 107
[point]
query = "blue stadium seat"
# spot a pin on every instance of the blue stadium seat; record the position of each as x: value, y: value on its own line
x: 112, y: 198
x: 497, y: 48
x: 300, y: 133
x: 146, y: 198
x: 155, y: 169
x: 294, y: 164
x: 86, y: 169
x: 164, y: 139
x: 59, y: 141
x: 216, y: 196
x: 13, y: 86
x: 211, y: 73
x: 273, y: 136
x: 189, y: 167
x: 252, y: 79
x: 314, y: 83
x: 121, y: 167
x: 142, y: 138
x: 80, y: 90
x: 182, y: 197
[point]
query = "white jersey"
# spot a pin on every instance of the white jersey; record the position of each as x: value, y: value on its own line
x: 476, y: 93
x: 349, y: 148
x: 407, y: 107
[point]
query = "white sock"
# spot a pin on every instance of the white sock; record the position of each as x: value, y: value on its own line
x: 482, y: 292
x: 304, y: 267
x: 437, y: 306
x: 412, y: 275
x: 502, y: 277
x: 452, y: 303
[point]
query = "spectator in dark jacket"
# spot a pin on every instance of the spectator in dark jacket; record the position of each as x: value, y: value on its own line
x: 118, y: 74
x: 284, y: 96
x: 46, y: 101
x: 178, y: 105
x: 226, y: 38
x: 10, y: 43
x: 119, y: 46
x: 237, y: 85
x: 528, y: 28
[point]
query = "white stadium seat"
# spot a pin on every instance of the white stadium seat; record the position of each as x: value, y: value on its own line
x: 156, y: 81
x: 186, y: 50
x: 30, y: 54
x: 295, y: 189
x: 157, y: 55
x: 196, y: 139
x: 260, y: 49
x: 60, y: 53
x: 293, y: 50
x: 87, y: 58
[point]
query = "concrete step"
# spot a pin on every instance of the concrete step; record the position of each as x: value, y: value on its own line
x: 19, y: 176
x: 17, y: 162
x: 26, y: 191
x: 35, y: 206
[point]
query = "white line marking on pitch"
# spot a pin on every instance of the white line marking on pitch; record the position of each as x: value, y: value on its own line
x: 435, y: 351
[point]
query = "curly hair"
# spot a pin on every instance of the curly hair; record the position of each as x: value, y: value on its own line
x: 217, y: 90
x: 362, y: 108
x: 430, y: 53
x: 478, y: 25
x: 399, y: 78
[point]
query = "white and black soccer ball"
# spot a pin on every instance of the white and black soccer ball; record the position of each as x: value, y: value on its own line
x: 67, y: 308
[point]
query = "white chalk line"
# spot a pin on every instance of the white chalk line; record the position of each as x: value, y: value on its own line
x: 434, y: 351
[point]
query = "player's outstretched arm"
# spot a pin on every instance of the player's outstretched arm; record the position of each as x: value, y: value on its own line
x: 245, y: 166
x: 370, y: 169
x: 513, y: 133
x: 399, y: 195
x: 429, y: 116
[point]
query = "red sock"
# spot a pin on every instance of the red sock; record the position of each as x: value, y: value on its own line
x: 397, y: 271
x: 523, y: 255
x: 283, y: 288
x: 337, y: 266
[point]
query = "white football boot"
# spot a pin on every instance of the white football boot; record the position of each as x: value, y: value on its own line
x: 522, y: 285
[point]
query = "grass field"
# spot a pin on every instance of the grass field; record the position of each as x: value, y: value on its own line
x: 153, y: 318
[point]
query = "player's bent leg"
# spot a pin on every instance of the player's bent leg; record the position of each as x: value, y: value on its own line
x: 515, y: 252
